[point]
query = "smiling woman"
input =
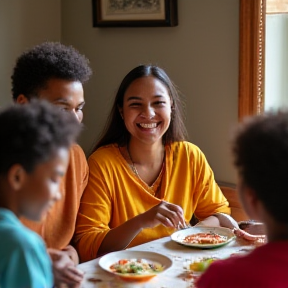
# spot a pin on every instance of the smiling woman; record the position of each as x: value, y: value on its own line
x: 145, y: 180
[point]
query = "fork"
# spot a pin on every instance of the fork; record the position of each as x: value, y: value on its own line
x: 187, y: 225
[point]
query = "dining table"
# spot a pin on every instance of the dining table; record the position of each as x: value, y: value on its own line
x: 179, y: 275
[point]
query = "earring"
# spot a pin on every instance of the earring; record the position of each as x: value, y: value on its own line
x: 172, y: 113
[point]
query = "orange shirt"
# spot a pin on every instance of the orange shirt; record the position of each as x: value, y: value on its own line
x: 114, y: 194
x: 58, y: 227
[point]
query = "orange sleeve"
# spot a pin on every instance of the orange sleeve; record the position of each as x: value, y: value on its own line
x: 57, y: 228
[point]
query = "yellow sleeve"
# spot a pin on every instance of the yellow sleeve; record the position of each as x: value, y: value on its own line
x: 93, y: 215
x: 190, y: 182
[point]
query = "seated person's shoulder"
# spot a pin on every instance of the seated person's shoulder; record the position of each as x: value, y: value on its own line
x: 104, y: 153
x: 23, y: 252
x: 186, y: 147
x: 77, y: 157
x: 20, y: 246
x: 20, y: 237
x: 76, y: 150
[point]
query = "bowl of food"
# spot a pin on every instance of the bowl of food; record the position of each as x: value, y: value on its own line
x: 132, y: 265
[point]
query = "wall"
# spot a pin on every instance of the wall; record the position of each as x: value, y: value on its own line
x: 200, y: 55
x: 23, y: 24
x: 276, y: 61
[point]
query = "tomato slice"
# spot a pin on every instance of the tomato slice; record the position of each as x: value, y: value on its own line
x: 123, y: 261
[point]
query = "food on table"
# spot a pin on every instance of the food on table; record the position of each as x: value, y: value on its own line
x: 205, y: 238
x: 202, y: 264
x: 136, y: 266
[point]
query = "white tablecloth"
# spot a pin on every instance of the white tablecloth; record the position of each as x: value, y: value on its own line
x: 178, y: 276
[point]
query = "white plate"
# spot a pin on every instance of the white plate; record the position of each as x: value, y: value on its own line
x: 109, y: 259
x: 181, y: 234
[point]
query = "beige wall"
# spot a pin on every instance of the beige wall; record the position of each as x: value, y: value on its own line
x: 24, y: 23
x: 200, y: 55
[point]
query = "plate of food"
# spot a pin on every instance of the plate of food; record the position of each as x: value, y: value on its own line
x: 203, y: 236
x: 132, y: 265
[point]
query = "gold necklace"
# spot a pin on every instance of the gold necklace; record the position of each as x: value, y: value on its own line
x: 159, y: 177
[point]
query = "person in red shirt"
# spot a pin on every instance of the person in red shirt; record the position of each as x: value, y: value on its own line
x: 260, y: 149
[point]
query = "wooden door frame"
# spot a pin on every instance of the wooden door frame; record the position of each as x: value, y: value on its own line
x: 251, y: 57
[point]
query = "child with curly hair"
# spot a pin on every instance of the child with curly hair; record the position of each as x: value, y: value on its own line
x: 34, y: 153
x: 261, y: 158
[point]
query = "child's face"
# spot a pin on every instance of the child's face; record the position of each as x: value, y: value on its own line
x: 40, y: 189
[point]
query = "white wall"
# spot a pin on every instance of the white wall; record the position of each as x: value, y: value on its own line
x: 23, y: 24
x: 276, y: 61
x: 200, y: 55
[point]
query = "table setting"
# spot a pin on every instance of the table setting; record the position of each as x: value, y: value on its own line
x: 179, y: 259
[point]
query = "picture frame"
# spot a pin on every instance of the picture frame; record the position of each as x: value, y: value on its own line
x: 134, y: 13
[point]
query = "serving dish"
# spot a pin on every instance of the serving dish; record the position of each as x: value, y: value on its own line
x: 112, y: 258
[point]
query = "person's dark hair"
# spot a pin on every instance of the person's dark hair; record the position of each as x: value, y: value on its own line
x: 260, y: 150
x: 115, y: 130
x: 32, y: 132
x: 44, y: 62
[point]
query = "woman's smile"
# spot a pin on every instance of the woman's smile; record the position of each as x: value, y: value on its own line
x: 147, y: 109
x: 148, y: 125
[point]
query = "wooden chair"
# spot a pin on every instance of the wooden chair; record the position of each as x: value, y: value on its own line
x: 229, y: 191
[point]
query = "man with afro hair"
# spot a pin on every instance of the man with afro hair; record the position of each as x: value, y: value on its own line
x: 56, y: 73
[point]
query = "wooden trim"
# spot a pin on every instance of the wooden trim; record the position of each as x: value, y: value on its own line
x: 226, y: 184
x: 251, y: 57
x: 229, y: 191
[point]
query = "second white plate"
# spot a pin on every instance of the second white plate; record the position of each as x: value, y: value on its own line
x: 181, y: 234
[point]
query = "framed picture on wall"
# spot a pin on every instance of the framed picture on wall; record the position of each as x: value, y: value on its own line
x: 134, y: 13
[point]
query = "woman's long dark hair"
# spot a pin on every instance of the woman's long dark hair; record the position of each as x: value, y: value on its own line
x: 115, y: 130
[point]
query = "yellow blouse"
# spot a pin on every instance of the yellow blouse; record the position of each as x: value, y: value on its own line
x: 114, y: 194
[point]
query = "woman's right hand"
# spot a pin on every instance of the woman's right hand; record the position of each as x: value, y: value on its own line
x: 165, y: 213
